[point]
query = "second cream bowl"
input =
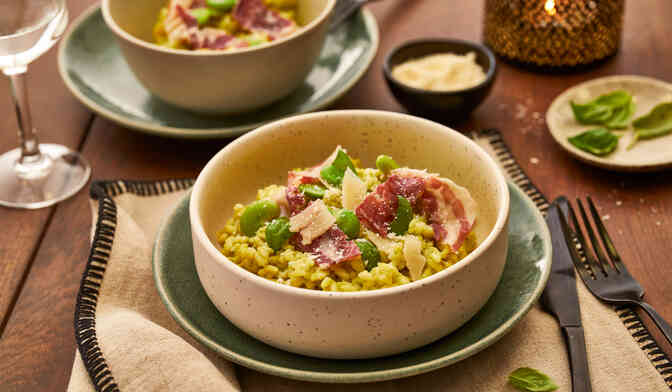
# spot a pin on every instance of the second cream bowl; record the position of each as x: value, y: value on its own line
x: 217, y: 82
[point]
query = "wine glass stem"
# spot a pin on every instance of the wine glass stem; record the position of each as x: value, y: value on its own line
x: 29, y: 144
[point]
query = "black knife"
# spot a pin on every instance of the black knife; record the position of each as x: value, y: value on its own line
x: 560, y: 298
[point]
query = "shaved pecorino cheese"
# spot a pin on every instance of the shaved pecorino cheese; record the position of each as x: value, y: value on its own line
x: 312, y: 222
x: 354, y: 190
x: 279, y: 197
x: 383, y: 244
x: 254, y: 15
x: 415, y: 261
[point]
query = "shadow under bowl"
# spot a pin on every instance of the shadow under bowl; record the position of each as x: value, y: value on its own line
x: 444, y: 106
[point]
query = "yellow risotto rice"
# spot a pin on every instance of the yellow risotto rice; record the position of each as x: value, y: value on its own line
x: 295, y: 268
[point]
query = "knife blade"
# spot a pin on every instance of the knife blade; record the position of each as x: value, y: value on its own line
x: 560, y: 298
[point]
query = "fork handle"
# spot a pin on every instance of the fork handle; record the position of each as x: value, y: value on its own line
x: 662, y: 325
x: 578, y: 358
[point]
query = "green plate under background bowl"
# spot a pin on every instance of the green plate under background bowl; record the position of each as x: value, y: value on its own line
x: 525, y: 275
x: 93, y: 68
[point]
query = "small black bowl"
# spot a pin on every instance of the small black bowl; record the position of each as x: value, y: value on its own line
x: 445, y: 106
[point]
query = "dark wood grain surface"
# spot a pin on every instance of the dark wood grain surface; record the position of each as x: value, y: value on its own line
x: 42, y: 253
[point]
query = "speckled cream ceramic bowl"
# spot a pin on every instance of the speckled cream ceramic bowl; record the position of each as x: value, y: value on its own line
x: 362, y: 324
x: 216, y: 82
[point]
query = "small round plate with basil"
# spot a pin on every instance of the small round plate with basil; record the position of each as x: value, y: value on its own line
x: 619, y: 123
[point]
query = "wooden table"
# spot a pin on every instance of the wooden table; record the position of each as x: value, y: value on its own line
x: 43, y: 252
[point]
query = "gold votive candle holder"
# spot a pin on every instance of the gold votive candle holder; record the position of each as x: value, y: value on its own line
x: 554, y: 33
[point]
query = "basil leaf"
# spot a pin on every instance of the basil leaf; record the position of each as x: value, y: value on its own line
x: 531, y: 380
x: 313, y: 191
x: 655, y: 124
x: 404, y: 216
x: 221, y: 5
x: 202, y: 15
x: 621, y: 116
x: 334, y: 173
x: 599, y: 141
x: 370, y: 254
x: 612, y: 110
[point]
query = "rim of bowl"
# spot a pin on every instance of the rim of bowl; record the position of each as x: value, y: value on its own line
x: 489, y: 76
x: 198, y: 230
x: 118, y: 31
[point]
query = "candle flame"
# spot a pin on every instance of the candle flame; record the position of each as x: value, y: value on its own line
x: 550, y: 7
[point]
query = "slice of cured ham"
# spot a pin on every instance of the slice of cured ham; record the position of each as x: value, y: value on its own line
x: 254, y: 15
x: 296, y: 200
x: 330, y: 248
x: 312, y: 222
x: 448, y: 207
x: 182, y: 26
x: 379, y: 208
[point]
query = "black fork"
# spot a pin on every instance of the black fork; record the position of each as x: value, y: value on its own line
x: 606, y: 277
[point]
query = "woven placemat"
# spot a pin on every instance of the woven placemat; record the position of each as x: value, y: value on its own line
x: 102, y: 365
x: 491, y: 140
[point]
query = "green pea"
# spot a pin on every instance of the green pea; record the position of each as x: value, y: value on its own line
x: 277, y: 233
x: 386, y: 164
x: 347, y: 221
x: 313, y: 191
x: 401, y: 222
x: 221, y: 5
x: 256, y: 214
x: 202, y: 15
x: 370, y: 254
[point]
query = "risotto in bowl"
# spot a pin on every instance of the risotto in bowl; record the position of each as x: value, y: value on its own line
x: 350, y: 234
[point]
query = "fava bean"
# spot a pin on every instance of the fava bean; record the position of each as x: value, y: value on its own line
x: 370, y: 254
x: 347, y: 221
x: 401, y: 222
x: 202, y: 15
x: 277, y: 233
x: 386, y: 164
x: 256, y: 214
x: 313, y: 191
x: 221, y: 5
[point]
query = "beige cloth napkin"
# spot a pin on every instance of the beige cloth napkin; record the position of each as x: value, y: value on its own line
x: 145, y: 350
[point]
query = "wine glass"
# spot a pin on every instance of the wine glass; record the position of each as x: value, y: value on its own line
x: 34, y: 175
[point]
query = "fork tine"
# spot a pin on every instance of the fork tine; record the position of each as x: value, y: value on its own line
x: 597, y: 248
x: 582, y: 242
x: 584, y: 270
x: 606, y: 239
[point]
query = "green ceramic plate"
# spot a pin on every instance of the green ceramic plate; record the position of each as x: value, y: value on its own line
x: 93, y: 68
x: 525, y: 275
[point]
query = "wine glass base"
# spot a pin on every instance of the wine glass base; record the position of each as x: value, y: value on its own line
x: 67, y: 174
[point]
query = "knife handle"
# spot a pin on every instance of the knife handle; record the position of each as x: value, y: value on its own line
x: 578, y: 358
